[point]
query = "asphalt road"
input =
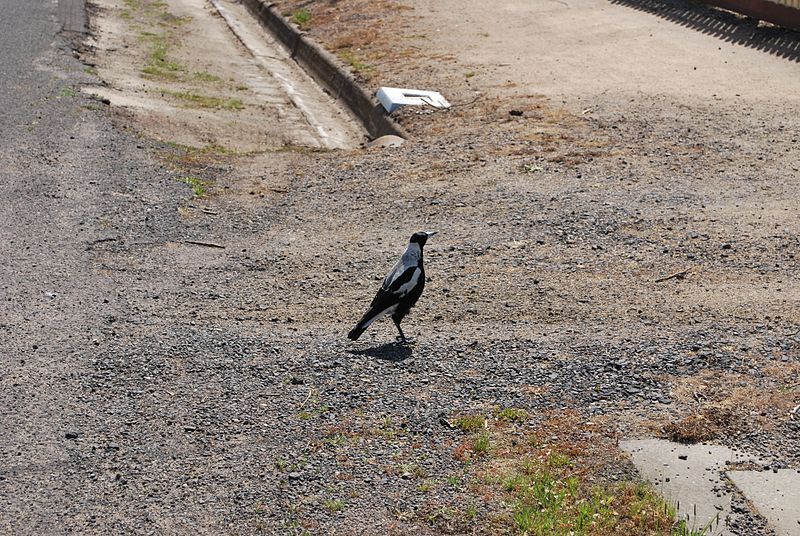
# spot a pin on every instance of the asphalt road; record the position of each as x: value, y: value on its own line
x: 65, y: 182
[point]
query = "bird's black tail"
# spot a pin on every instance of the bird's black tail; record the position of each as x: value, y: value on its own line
x: 366, y: 320
x: 356, y: 332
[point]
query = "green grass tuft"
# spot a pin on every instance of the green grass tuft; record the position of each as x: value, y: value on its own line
x: 205, y: 76
x: 470, y: 423
x: 365, y: 70
x: 512, y: 415
x: 301, y: 17
x: 481, y: 444
x: 336, y: 440
x: 205, y: 101
x: 158, y: 64
x: 334, y: 505
x: 197, y: 185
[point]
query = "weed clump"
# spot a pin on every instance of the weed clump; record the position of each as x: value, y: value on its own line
x: 301, y: 17
x: 545, y: 479
x: 513, y: 415
x: 198, y: 186
x: 470, y: 423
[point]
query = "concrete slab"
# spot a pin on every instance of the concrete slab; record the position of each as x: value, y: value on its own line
x: 776, y: 495
x: 690, y: 477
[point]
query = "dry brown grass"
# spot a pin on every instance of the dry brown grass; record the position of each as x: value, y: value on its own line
x: 730, y: 404
x: 353, y: 39
x: 696, y: 427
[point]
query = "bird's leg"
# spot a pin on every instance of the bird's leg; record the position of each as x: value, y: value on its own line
x: 402, y: 337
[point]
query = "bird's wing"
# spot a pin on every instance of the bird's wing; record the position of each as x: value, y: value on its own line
x: 403, y: 284
x: 388, y: 298
x: 396, y: 271
x: 394, y: 289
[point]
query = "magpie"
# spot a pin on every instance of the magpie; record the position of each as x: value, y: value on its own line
x: 400, y: 290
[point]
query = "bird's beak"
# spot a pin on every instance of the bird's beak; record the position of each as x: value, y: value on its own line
x: 430, y: 233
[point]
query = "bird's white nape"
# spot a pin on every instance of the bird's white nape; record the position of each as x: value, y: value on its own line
x: 412, y: 253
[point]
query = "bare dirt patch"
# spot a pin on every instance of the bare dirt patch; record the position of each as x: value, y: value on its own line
x: 184, y: 77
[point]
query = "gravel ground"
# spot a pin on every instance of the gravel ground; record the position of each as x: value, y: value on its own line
x: 215, y: 391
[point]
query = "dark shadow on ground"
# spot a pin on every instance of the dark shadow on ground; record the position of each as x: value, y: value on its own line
x: 727, y: 26
x: 393, y: 351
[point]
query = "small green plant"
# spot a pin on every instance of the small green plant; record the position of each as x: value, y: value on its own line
x: 557, y: 460
x: 514, y: 482
x: 481, y: 445
x: 524, y: 516
x: 454, y: 482
x: 204, y: 101
x: 470, y: 512
x: 470, y: 423
x: 411, y: 470
x: 572, y: 483
x: 513, y: 415
x: 532, y: 168
x: 682, y: 529
x: 90, y: 70
x: 387, y: 429
x: 334, y: 505
x: 197, y: 185
x: 159, y: 61
x: 336, y: 440
x: 470, y: 74
x: 312, y: 410
x: 68, y: 92
x: 158, y: 65
x: 364, y: 69
x: 205, y: 76
x: 298, y: 465
x: 301, y: 17
x: 219, y: 149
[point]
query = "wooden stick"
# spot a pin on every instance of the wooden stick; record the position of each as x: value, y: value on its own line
x: 679, y: 275
x: 206, y: 244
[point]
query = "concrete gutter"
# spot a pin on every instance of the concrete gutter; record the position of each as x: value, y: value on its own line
x: 325, y: 69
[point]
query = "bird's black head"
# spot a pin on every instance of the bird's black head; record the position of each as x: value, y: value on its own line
x: 421, y: 237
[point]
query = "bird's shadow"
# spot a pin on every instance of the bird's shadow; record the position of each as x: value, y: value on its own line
x: 393, y: 351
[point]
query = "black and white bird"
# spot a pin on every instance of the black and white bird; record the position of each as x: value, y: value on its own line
x: 400, y: 290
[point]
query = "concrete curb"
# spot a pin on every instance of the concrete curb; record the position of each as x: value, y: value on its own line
x: 324, y: 68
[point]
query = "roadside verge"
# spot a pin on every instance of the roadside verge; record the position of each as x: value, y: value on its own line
x: 324, y: 69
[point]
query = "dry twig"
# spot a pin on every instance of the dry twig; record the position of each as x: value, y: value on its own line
x: 205, y: 244
x: 676, y: 275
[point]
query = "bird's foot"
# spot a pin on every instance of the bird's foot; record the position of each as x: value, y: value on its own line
x: 404, y: 341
